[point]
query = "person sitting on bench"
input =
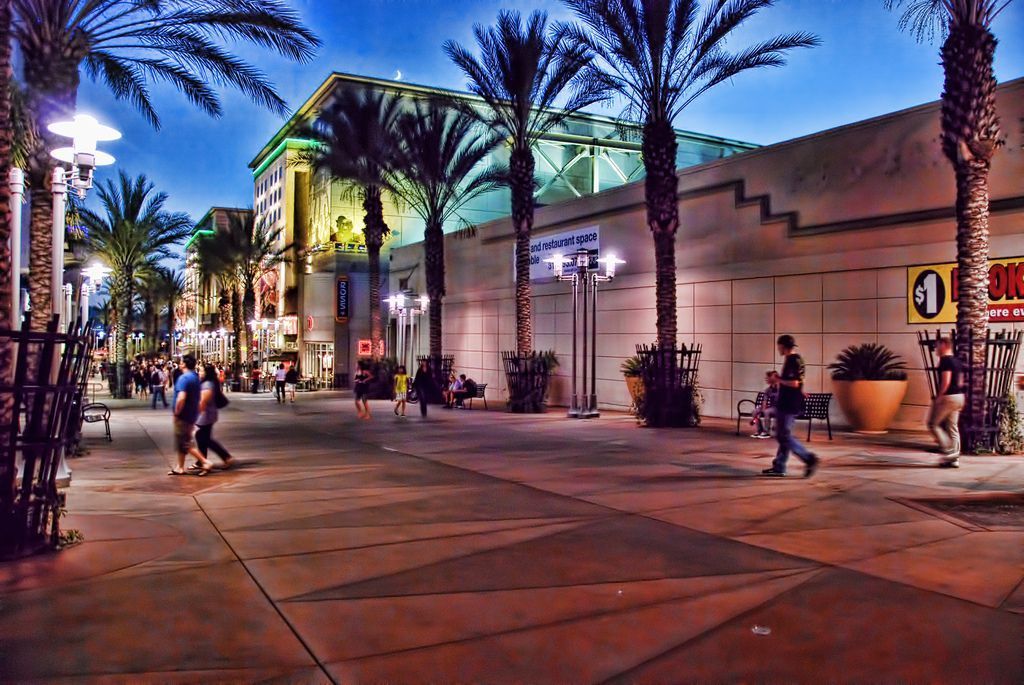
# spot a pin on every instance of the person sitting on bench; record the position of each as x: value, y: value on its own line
x: 467, y: 389
x: 454, y: 384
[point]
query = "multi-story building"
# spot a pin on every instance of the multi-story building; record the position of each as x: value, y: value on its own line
x: 323, y: 291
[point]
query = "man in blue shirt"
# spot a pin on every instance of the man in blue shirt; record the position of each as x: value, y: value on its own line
x: 186, y: 411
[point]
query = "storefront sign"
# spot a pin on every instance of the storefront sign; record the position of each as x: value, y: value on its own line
x: 364, y: 348
x: 933, y: 291
x: 545, y: 247
x: 341, y: 300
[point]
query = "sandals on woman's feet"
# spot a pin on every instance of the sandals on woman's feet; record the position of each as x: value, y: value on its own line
x: 172, y: 472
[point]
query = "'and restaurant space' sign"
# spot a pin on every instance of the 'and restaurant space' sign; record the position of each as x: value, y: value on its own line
x: 545, y: 247
x: 933, y: 291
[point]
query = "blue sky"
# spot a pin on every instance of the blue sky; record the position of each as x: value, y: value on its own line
x: 864, y: 67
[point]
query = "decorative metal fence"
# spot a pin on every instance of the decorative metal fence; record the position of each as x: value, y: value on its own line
x: 670, y: 385
x: 528, y: 378
x: 40, y: 422
x: 1002, y: 350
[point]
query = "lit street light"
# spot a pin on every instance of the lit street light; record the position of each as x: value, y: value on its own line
x: 584, y: 279
x: 406, y: 313
x: 83, y: 157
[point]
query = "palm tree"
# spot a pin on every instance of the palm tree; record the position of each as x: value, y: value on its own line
x: 437, y: 173
x: 357, y: 143
x: 970, y: 136
x: 128, y: 45
x: 520, y: 74
x: 160, y: 287
x: 211, y: 263
x: 659, y: 56
x: 6, y: 144
x: 134, y: 233
x: 242, y: 254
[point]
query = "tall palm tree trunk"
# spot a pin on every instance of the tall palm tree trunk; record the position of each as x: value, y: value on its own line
x: 238, y: 328
x: 521, y: 166
x: 970, y: 136
x: 375, y: 229
x: 52, y: 91
x: 249, y: 314
x: 7, y: 317
x: 661, y: 189
x: 123, y: 297
x: 433, y: 244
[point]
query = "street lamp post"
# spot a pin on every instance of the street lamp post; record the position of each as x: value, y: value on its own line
x: 83, y: 158
x: 17, y: 187
x: 584, y: 279
x: 93, y: 278
x: 406, y: 309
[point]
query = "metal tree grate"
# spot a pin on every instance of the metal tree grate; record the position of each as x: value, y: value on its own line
x: 527, y: 378
x: 40, y: 423
x: 670, y: 384
x: 1002, y: 350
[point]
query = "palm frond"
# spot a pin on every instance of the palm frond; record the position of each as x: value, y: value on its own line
x: 129, y: 44
x: 660, y: 55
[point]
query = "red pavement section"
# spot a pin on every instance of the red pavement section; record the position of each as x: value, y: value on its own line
x: 483, y: 547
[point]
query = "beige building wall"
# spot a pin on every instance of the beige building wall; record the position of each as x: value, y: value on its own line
x: 811, y: 237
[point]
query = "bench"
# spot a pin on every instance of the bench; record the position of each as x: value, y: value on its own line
x: 480, y: 389
x: 816, y: 407
x: 741, y: 414
x: 96, y: 412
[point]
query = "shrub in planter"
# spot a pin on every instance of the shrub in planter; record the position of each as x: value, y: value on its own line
x: 869, y: 382
x: 633, y: 371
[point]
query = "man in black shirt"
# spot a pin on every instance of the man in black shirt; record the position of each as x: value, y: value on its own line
x: 790, y: 405
x: 944, y: 416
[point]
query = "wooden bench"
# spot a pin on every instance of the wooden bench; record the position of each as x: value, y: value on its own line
x: 480, y: 389
x: 96, y: 412
x: 816, y: 407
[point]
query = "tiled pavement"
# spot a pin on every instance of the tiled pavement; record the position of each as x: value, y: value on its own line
x: 491, y: 548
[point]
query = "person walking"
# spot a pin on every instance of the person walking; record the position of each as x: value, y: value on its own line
x: 291, y: 382
x: 401, y: 391
x: 423, y: 384
x: 211, y: 399
x: 944, y: 417
x: 157, y: 386
x: 186, y: 412
x: 279, y: 377
x: 362, y: 390
x: 790, y: 405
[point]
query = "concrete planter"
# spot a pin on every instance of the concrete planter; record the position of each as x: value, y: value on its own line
x: 869, y: 406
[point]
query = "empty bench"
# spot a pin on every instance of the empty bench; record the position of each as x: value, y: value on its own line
x: 480, y: 390
x: 816, y: 407
x: 96, y: 412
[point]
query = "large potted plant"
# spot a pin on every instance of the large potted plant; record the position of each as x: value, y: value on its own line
x: 870, y: 382
x: 633, y: 371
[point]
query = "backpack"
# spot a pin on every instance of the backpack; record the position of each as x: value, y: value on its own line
x: 154, y: 378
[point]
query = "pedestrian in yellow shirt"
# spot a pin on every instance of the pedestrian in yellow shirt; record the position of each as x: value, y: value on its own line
x: 401, y: 390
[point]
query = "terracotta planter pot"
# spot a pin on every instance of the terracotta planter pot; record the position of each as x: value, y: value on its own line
x: 636, y: 388
x: 869, y: 406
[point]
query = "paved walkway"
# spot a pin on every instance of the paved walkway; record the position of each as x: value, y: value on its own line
x: 492, y: 548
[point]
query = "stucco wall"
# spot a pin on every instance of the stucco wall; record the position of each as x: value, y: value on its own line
x: 810, y: 237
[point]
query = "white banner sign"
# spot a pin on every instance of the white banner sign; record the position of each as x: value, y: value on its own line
x: 545, y: 247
